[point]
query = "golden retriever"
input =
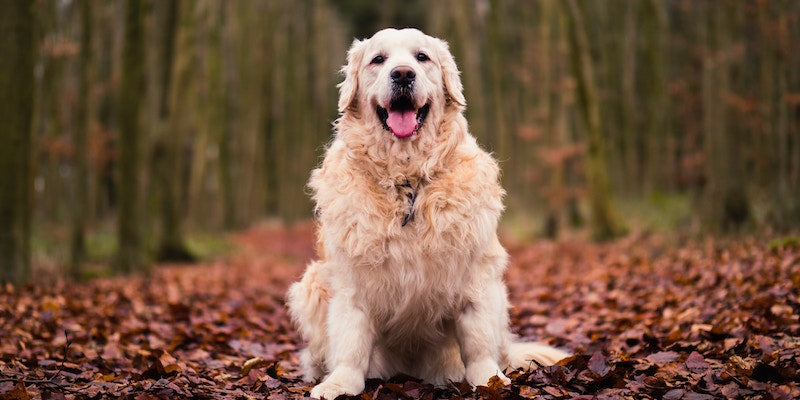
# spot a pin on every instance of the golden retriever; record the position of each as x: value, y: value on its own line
x: 410, y: 275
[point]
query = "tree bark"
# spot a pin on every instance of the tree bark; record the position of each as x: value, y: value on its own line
x: 726, y: 205
x: 275, y: 109
x: 471, y: 64
x: 550, y: 36
x: 130, y: 255
x: 633, y: 165
x: 498, y: 134
x: 169, y: 145
x: 16, y: 110
x: 81, y: 182
x: 658, y: 157
x: 605, y: 221
x: 226, y: 135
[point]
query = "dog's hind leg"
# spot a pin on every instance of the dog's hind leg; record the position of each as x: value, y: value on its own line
x: 308, y: 305
x: 482, y: 332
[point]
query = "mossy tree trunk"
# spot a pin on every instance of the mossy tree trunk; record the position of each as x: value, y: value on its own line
x: 131, y: 253
x: 16, y: 110
x: 605, y: 221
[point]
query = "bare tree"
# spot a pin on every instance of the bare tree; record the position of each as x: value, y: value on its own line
x: 81, y: 182
x: 16, y: 109
x: 130, y: 254
x: 168, y: 147
x: 605, y: 221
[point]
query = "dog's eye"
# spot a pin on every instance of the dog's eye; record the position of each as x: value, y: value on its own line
x: 422, y: 57
x: 377, y: 60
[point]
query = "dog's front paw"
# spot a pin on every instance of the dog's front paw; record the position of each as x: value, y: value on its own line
x: 479, y: 373
x: 341, y: 381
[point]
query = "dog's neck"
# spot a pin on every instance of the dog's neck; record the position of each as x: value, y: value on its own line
x: 391, y: 162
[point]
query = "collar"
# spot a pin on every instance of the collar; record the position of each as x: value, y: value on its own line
x: 411, y: 195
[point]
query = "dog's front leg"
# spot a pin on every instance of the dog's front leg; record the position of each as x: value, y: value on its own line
x: 350, y: 341
x: 481, y: 329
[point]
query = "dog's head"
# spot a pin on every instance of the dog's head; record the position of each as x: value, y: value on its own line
x: 397, y: 78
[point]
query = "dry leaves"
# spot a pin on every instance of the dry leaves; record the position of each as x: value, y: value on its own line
x: 643, y: 319
x: 210, y: 331
x: 705, y: 320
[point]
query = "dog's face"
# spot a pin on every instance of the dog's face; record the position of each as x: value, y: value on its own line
x: 397, y: 78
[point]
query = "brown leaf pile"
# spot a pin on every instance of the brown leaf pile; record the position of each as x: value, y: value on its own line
x: 708, y: 320
x: 645, y: 320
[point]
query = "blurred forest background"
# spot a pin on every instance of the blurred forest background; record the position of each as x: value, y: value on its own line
x: 140, y: 129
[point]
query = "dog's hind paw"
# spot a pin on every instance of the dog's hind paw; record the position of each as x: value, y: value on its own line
x: 480, y: 373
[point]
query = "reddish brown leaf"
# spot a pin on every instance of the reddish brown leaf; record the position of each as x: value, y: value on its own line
x: 662, y: 357
x: 597, y: 364
x: 696, y: 363
x: 18, y: 392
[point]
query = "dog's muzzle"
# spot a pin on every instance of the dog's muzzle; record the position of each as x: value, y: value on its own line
x: 402, y: 118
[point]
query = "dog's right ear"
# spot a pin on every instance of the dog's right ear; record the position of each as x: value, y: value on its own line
x: 348, y: 89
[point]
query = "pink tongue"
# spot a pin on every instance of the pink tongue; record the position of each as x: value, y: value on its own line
x: 402, y: 123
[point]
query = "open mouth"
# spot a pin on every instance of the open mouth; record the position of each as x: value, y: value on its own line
x: 402, y: 119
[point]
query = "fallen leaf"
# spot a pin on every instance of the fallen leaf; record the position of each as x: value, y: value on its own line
x: 495, y: 383
x: 662, y: 357
x: 255, y: 362
x: 597, y: 364
x: 18, y: 392
x: 696, y: 363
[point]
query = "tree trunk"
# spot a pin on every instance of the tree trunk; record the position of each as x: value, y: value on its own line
x: 498, y: 134
x: 16, y: 110
x: 470, y: 63
x: 605, y: 221
x: 49, y: 121
x: 81, y: 182
x: 658, y: 151
x: 293, y: 198
x: 169, y: 145
x: 554, y: 105
x: 130, y: 256
x: 104, y: 189
x: 630, y: 133
x: 273, y: 121
x: 217, y: 109
x: 226, y: 135
x: 726, y: 205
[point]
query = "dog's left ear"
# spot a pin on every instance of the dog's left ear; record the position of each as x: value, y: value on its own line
x: 450, y: 74
x: 349, y: 88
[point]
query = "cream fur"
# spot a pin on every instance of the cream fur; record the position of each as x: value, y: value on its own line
x: 426, y: 299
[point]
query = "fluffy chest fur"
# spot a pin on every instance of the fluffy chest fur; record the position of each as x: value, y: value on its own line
x: 426, y: 264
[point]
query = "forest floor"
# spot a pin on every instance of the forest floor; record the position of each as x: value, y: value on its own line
x: 645, y: 319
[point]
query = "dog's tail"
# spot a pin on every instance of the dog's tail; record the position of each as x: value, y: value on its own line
x: 530, y: 355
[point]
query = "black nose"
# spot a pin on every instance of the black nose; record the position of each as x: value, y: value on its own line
x: 403, y: 76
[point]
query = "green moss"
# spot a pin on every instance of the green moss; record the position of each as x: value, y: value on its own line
x: 207, y: 246
x: 784, y: 242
